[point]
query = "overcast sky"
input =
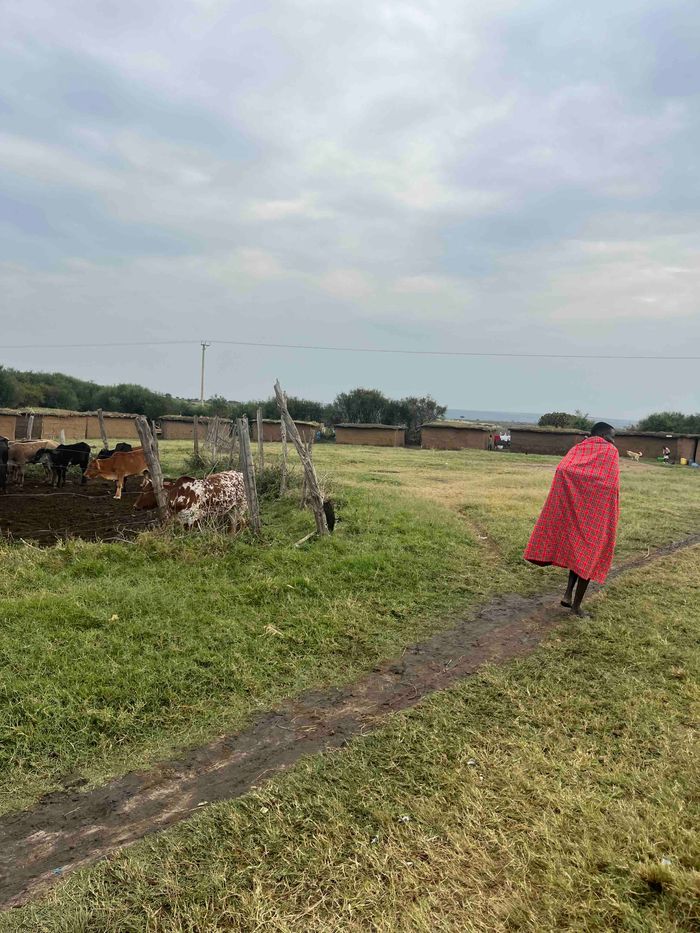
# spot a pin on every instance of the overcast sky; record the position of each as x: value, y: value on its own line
x: 422, y: 175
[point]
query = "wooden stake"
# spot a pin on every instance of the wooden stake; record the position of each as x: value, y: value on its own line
x: 248, y: 470
x: 62, y: 437
x: 232, y: 451
x: 103, y: 430
x: 314, y: 492
x: 215, y: 438
x: 195, y: 436
x: 261, y: 446
x: 30, y: 426
x: 283, y: 476
x: 149, y: 442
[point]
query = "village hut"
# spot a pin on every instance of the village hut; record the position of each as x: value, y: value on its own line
x: 373, y: 435
x: 8, y: 420
x: 118, y: 425
x: 651, y: 444
x: 22, y: 425
x: 556, y: 442
x: 456, y: 435
x: 272, y: 430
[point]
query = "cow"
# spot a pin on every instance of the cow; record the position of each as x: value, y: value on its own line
x: 192, y: 500
x: 106, y: 452
x: 22, y: 453
x: 63, y: 456
x: 4, y: 457
x: 121, y: 464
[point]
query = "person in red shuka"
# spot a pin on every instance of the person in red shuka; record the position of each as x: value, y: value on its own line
x: 578, y: 523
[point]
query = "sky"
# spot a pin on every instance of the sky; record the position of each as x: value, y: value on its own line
x: 517, y: 176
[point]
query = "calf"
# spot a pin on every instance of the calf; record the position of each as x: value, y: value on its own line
x: 192, y: 500
x: 63, y: 456
x: 22, y: 453
x: 121, y: 464
x: 4, y: 457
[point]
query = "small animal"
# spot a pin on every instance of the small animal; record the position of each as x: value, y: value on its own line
x: 634, y: 455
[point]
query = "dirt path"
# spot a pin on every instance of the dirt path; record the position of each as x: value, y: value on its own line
x: 67, y: 830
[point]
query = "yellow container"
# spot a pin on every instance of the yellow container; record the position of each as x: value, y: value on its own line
x: 684, y: 462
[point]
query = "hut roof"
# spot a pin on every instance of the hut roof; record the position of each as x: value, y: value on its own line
x: 311, y: 424
x: 666, y: 434
x: 463, y: 425
x: 203, y: 419
x: 385, y: 427
x: 63, y: 412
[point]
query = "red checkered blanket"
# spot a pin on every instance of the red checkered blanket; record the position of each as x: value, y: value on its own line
x: 578, y: 524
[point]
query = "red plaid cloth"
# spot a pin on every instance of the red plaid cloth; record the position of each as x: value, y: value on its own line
x: 578, y: 524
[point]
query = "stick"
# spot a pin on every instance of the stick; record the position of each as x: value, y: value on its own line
x: 232, y: 451
x: 103, y: 430
x: 309, y: 472
x: 248, y: 470
x: 215, y: 438
x: 311, y: 534
x: 30, y: 426
x: 261, y: 446
x: 149, y: 442
x: 283, y: 476
x: 62, y: 437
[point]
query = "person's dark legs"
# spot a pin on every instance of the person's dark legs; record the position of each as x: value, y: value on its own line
x: 569, y: 595
x: 581, y: 588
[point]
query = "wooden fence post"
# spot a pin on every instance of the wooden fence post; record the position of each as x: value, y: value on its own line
x: 283, y: 473
x: 103, y: 430
x: 215, y: 438
x: 314, y: 492
x: 30, y: 426
x: 195, y: 435
x: 248, y: 470
x: 232, y: 451
x: 62, y: 437
x: 261, y: 446
x: 149, y: 442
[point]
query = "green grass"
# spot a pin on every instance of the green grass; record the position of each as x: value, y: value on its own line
x: 114, y: 655
x: 558, y: 792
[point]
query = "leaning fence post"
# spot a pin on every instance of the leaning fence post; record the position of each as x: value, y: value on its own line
x: 248, y: 470
x: 261, y: 445
x: 149, y: 442
x: 309, y: 472
x: 103, y: 430
x: 283, y: 471
x: 195, y: 428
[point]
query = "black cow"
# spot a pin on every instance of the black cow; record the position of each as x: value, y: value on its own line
x: 4, y: 457
x: 106, y: 452
x: 63, y: 456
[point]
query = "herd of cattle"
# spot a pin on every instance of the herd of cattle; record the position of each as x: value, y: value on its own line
x: 190, y: 500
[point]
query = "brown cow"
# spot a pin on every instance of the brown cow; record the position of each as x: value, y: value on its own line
x: 117, y: 467
x: 21, y: 453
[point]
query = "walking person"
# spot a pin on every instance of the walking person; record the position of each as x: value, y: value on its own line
x: 578, y: 523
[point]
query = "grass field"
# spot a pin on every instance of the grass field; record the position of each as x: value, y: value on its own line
x: 114, y: 655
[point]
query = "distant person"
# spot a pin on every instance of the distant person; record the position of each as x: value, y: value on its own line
x: 666, y: 454
x: 578, y: 523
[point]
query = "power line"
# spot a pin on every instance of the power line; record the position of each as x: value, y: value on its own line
x: 332, y: 349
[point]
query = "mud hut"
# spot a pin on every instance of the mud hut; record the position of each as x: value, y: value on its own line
x: 556, y: 442
x: 181, y: 428
x: 118, y: 425
x: 8, y: 419
x: 272, y: 430
x: 456, y: 435
x: 652, y: 443
x: 72, y: 423
x: 373, y: 435
x: 22, y: 425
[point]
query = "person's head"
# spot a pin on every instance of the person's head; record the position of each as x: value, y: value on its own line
x: 603, y: 429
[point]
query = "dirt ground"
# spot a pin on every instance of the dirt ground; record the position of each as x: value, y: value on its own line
x: 72, y: 828
x: 44, y: 515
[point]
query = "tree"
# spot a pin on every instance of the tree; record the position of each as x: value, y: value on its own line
x: 672, y: 422
x: 361, y: 406
x: 563, y: 419
x: 8, y: 387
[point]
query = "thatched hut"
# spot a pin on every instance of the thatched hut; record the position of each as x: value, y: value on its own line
x: 652, y: 443
x: 456, y: 435
x: 8, y: 421
x: 272, y: 430
x: 531, y: 439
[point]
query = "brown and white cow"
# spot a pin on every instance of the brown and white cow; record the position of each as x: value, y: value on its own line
x: 22, y: 453
x: 192, y: 500
x: 117, y: 467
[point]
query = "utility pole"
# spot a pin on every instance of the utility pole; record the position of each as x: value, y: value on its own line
x: 201, y: 381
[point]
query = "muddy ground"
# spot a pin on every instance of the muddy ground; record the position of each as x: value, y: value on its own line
x: 73, y: 828
x: 44, y: 515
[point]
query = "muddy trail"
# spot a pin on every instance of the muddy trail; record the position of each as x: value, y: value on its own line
x: 73, y: 828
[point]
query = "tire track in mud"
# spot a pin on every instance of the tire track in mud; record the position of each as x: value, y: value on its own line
x: 71, y: 829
